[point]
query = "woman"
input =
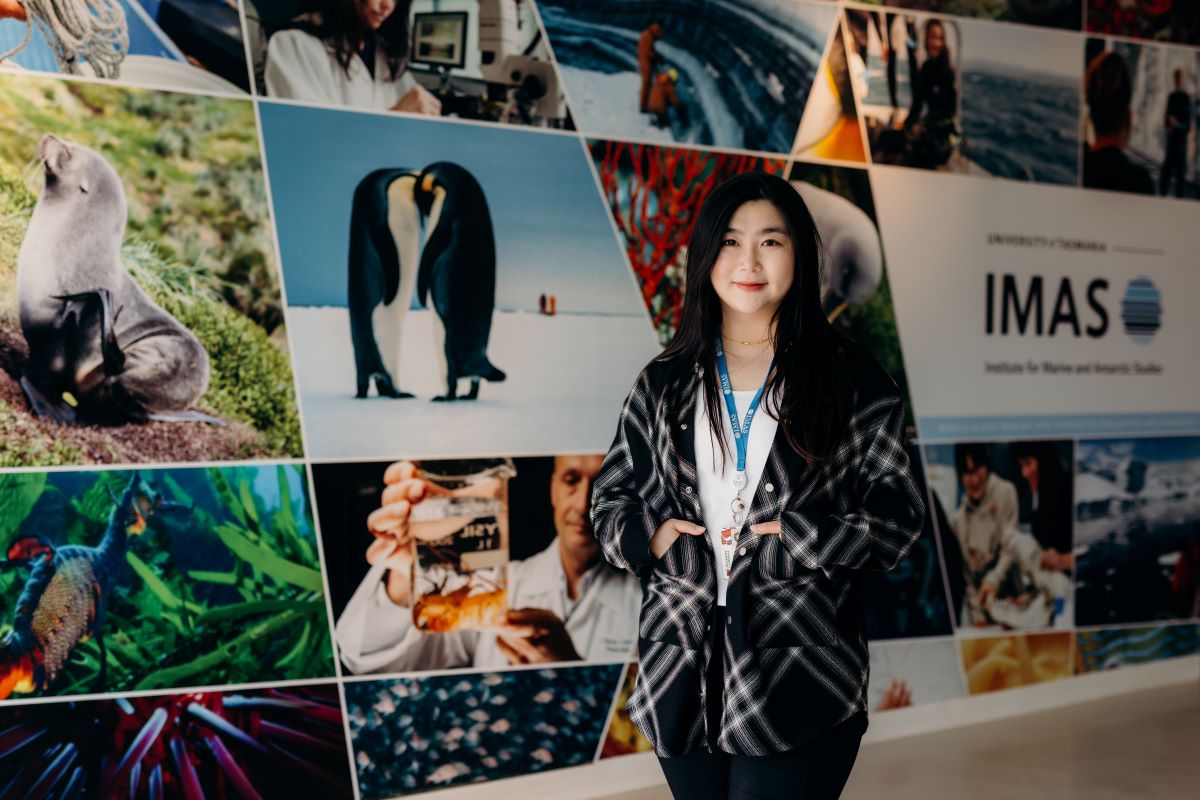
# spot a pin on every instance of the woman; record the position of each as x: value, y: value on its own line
x: 754, y: 666
x: 1047, y: 505
x: 934, y: 94
x: 353, y: 54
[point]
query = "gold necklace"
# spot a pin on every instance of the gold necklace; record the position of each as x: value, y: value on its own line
x: 739, y: 341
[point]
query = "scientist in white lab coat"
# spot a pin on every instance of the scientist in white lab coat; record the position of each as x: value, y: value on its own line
x: 566, y: 603
x: 352, y: 53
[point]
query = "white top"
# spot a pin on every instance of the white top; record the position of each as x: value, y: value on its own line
x: 716, y: 489
x: 301, y: 67
x: 376, y: 635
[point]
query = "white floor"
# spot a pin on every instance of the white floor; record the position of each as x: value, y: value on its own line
x: 1138, y: 746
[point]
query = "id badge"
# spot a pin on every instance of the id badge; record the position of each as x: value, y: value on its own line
x: 727, y: 547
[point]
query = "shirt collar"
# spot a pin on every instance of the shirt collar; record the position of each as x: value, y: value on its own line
x: 591, y: 582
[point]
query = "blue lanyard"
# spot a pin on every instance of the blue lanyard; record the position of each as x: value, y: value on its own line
x: 741, y: 435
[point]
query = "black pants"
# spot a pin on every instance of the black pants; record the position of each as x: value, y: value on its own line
x: 1174, y: 165
x: 816, y: 770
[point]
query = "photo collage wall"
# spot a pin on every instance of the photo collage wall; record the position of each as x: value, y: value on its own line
x: 316, y: 318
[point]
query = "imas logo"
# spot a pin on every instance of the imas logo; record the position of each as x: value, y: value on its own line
x: 1141, y: 309
x: 1024, y: 306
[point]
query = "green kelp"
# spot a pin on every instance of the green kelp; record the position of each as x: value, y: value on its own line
x: 228, y: 590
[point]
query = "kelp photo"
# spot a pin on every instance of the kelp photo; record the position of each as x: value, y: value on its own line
x: 157, y: 579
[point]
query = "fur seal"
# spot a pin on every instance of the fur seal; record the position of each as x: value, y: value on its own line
x: 458, y: 271
x: 100, y: 350
x: 385, y: 239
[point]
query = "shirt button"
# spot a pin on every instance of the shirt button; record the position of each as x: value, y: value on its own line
x: 742, y: 552
x: 770, y: 487
x: 683, y: 425
x: 687, y: 489
x: 729, y: 620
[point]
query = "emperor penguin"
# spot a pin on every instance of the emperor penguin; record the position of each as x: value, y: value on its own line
x: 458, y: 273
x: 385, y: 240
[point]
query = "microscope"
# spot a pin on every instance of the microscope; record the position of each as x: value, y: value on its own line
x: 514, y: 86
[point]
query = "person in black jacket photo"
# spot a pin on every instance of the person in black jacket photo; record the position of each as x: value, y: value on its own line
x: 931, y: 120
x: 758, y: 468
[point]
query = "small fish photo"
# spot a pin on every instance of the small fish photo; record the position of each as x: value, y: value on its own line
x: 413, y: 735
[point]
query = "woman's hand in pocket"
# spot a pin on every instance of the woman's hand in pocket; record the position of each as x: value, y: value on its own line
x: 773, y: 528
x: 668, y: 532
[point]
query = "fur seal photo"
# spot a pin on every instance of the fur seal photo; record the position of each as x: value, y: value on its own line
x: 100, y: 350
x: 458, y: 270
x: 385, y: 240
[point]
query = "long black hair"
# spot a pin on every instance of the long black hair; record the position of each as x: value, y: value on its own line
x: 338, y: 24
x: 809, y: 392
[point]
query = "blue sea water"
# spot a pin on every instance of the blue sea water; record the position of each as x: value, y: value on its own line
x: 1021, y: 128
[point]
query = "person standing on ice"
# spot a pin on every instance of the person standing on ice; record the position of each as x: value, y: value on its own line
x: 647, y: 60
x: 663, y: 98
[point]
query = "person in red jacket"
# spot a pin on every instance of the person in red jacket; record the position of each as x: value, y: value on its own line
x: 647, y: 59
x: 1185, y: 581
x: 663, y: 98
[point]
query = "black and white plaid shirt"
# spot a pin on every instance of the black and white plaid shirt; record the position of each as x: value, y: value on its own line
x: 795, y: 654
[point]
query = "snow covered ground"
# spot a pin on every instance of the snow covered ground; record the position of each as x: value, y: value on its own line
x: 1170, y: 498
x: 745, y: 73
x: 606, y: 103
x: 598, y: 98
x: 567, y: 378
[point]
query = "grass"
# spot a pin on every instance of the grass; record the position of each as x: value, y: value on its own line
x: 23, y: 444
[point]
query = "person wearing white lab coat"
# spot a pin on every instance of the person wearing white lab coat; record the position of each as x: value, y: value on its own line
x: 352, y: 54
x: 985, y: 523
x: 565, y: 603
